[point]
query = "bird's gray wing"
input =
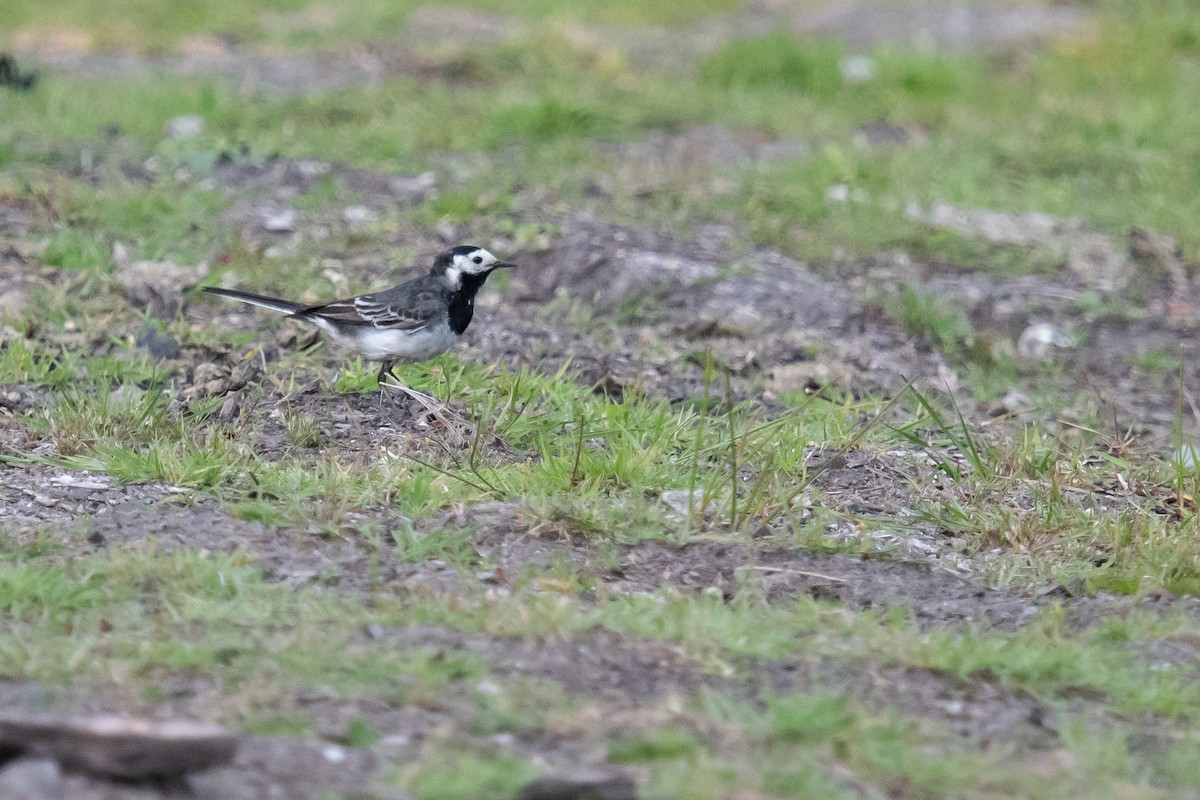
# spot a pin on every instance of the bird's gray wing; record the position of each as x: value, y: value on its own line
x: 402, y: 308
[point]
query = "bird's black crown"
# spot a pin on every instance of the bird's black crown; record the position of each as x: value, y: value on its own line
x: 445, y: 258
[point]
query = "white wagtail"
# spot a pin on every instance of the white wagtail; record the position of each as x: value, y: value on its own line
x: 412, y: 322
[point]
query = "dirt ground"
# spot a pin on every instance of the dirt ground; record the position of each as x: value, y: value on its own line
x: 778, y: 324
x: 763, y: 321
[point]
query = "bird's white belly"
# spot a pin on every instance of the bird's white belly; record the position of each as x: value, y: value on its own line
x: 383, y: 344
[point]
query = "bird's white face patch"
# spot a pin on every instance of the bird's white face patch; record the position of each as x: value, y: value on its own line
x: 474, y: 262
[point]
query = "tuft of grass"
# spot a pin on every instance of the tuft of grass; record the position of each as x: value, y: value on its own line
x: 551, y: 118
x: 361, y: 735
x: 1156, y: 361
x: 804, y: 718
x: 71, y: 248
x: 303, y: 431
x: 655, y: 745
x: 466, y: 775
x: 779, y: 61
x: 929, y: 317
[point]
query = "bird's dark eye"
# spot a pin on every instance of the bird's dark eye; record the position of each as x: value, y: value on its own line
x: 478, y: 259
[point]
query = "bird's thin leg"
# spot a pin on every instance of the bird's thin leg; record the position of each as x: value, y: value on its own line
x: 385, y: 369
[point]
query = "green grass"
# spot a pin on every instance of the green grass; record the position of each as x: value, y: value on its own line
x: 652, y: 746
x: 644, y: 448
x: 521, y: 133
x: 140, y: 617
x: 471, y: 776
x: 146, y: 25
x: 1052, y: 133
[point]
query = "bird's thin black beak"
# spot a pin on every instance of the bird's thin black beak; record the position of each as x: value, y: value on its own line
x: 503, y: 265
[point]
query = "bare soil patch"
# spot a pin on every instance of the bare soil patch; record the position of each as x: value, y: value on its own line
x: 34, y: 495
x: 620, y: 686
x: 935, y: 596
x: 503, y: 549
x: 980, y: 711
x: 779, y: 325
x: 948, y: 27
x: 774, y: 322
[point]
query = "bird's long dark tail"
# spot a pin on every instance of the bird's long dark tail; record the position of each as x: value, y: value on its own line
x: 273, y: 303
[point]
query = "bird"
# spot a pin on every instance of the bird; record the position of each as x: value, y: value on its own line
x: 415, y: 321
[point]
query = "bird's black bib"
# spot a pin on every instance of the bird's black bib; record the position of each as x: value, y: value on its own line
x: 462, y: 302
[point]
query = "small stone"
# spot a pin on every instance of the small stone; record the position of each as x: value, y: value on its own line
x: 208, y: 380
x: 806, y: 376
x: 118, y: 746
x: 1147, y: 246
x: 583, y: 786
x: 741, y: 321
x: 1026, y: 229
x: 22, y: 397
x: 825, y: 460
x: 413, y: 189
x: 243, y: 373
x: 678, y: 501
x: 73, y: 482
x: 358, y: 216
x: 1015, y: 402
x: 14, y: 299
x: 1098, y: 261
x: 312, y: 169
x: 883, y: 135
x: 229, y: 408
x: 184, y: 127
x: 944, y: 379
x: 32, y: 779
x: 1038, y: 341
x: 858, y: 69
x: 154, y: 286
x: 207, y: 371
x: 279, y: 220
x: 160, y: 346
